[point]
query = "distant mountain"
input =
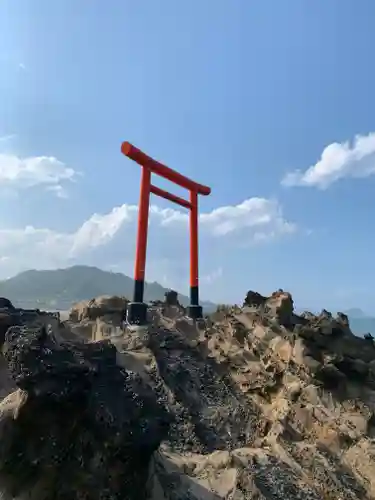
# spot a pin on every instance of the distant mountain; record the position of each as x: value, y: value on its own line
x: 60, y: 288
x: 355, y: 312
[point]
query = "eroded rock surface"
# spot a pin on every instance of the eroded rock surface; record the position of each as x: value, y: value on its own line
x: 79, y: 426
x: 95, y: 319
x: 254, y: 402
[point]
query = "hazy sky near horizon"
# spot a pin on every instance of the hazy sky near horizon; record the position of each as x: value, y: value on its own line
x: 270, y: 103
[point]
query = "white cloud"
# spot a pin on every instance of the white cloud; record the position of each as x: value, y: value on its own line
x: 22, y: 173
x: 100, y: 229
x: 262, y: 219
x: 338, y: 160
x: 255, y: 220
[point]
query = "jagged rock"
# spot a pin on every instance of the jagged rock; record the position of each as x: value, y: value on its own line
x: 243, y: 474
x: 171, y: 298
x: 264, y: 404
x: 328, y: 325
x: 254, y: 299
x: 343, y: 319
x: 80, y: 426
x: 100, y: 306
x: 6, y: 303
x: 12, y: 316
x: 6, y: 321
x: 279, y: 305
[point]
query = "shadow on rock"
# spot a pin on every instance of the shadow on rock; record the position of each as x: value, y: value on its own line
x: 221, y: 417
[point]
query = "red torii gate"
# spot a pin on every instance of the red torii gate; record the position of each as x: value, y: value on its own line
x: 137, y: 310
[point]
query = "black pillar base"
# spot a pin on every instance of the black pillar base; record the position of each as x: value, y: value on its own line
x: 195, y: 312
x: 136, y: 313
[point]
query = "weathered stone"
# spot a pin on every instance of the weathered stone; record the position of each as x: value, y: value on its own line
x: 90, y: 426
x: 100, y: 306
x: 254, y: 299
x: 260, y: 402
x: 281, y: 306
x: 171, y: 298
x: 343, y: 319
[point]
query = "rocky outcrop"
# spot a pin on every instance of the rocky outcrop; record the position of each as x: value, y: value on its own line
x: 170, y: 306
x: 79, y: 425
x: 279, y: 305
x: 251, y: 403
x: 98, y: 307
x: 97, y: 318
x: 171, y: 298
x: 12, y: 316
x: 312, y: 381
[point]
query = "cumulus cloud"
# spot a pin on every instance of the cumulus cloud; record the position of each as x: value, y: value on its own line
x: 100, y: 229
x: 262, y: 218
x: 22, y: 173
x: 256, y: 220
x: 338, y: 160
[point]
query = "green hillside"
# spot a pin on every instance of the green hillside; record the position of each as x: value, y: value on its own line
x: 58, y: 289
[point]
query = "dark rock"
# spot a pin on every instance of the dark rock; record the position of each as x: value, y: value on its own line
x: 86, y: 428
x: 6, y: 303
x: 343, y: 319
x: 331, y: 377
x: 355, y: 369
x: 171, y: 298
x: 254, y: 299
x: 11, y: 316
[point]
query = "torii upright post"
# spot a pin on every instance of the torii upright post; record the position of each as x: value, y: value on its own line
x: 137, y: 310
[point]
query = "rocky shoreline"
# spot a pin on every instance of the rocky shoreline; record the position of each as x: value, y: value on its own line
x: 253, y: 402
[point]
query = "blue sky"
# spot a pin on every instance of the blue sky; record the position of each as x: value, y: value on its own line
x: 235, y: 94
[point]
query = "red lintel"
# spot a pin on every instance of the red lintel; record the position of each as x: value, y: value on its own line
x: 170, y: 197
x: 146, y: 161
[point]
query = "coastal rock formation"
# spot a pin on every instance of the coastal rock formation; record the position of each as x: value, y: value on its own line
x: 253, y: 402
